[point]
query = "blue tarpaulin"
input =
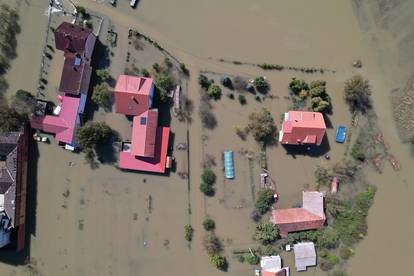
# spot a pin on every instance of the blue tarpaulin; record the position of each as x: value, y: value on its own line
x: 228, y: 164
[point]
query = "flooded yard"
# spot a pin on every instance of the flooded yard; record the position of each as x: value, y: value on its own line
x: 109, y: 222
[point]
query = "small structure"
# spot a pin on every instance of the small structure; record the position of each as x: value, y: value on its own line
x: 228, y: 164
x: 310, y: 216
x: 13, y: 186
x: 305, y: 255
x: 272, y: 266
x: 73, y: 38
x: 302, y: 128
x: 133, y: 95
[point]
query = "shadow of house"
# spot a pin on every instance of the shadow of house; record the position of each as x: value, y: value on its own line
x: 107, y: 152
x: 328, y: 121
x: 309, y: 150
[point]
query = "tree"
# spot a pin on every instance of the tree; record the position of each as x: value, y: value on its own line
x: 10, y: 119
x: 264, y: 200
x: 317, y: 91
x: 211, y: 243
x: 266, y: 232
x: 188, y: 232
x: 297, y: 86
x: 23, y: 102
x: 345, y: 253
x: 242, y: 99
x: 214, y: 92
x: 218, y: 261
x: 102, y: 96
x: 4, y: 64
x: 103, y: 74
x: 208, y: 176
x: 270, y: 250
x: 203, y: 81
x: 9, y: 28
x: 357, y: 93
x: 262, y: 126
x: 261, y: 85
x: 164, y: 82
x: 209, y: 224
x: 92, y: 134
x: 184, y: 69
x: 207, y: 189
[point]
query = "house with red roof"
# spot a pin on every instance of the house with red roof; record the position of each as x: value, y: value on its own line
x: 133, y: 95
x: 64, y: 124
x: 310, y: 216
x: 75, y: 39
x: 147, y: 150
x: 302, y: 128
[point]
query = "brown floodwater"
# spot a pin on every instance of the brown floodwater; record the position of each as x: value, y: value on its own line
x: 100, y: 228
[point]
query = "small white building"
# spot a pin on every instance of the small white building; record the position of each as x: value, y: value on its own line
x: 272, y: 266
x: 305, y: 255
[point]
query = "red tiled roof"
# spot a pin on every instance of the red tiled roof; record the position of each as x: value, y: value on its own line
x: 143, y: 134
x: 281, y: 272
x: 157, y: 163
x: 63, y: 126
x: 302, y: 127
x: 76, y: 75
x: 132, y: 94
x: 71, y: 37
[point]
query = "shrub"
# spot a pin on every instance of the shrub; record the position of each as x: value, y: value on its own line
x: 328, y: 239
x: 345, y: 253
x: 203, y: 81
x: 357, y: 152
x: 218, y: 261
x: 188, y: 232
x: 168, y: 62
x: 208, y: 176
x: 264, y: 200
x: 242, y: 99
x: 209, y: 224
x: 241, y: 258
x: 329, y: 262
x: 212, y: 244
x: 103, y: 74
x: 207, y: 189
x: 262, y: 126
x: 357, y: 93
x: 214, y: 92
x: 145, y: 73
x: 156, y: 67
x: 270, y: 250
x: 252, y: 259
x: 266, y: 232
x: 102, y: 96
x: 339, y: 273
x: 241, y: 132
x: 297, y: 85
x: 184, y: 69
x: 207, y: 117
x: 261, y: 85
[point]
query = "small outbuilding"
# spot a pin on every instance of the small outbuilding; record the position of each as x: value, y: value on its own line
x: 228, y: 164
x: 272, y: 266
x: 305, y: 255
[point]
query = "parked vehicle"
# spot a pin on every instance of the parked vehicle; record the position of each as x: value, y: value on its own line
x: 133, y: 3
x: 340, y: 134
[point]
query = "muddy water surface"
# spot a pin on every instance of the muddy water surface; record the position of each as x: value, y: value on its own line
x: 99, y: 229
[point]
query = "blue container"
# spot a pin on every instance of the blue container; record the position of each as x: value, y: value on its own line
x: 228, y: 164
x: 340, y: 134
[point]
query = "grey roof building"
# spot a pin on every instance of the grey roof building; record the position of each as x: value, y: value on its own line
x: 305, y: 255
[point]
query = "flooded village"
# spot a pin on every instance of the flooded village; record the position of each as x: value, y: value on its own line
x: 210, y: 138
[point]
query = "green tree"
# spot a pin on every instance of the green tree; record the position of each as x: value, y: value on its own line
x: 266, y: 232
x: 93, y: 134
x: 203, y: 81
x: 242, y: 99
x: 218, y: 261
x: 102, y: 96
x: 214, y: 92
x: 262, y: 126
x: 357, y: 93
x: 164, y: 83
x: 252, y: 259
x: 208, y: 176
x: 103, y: 74
x: 261, y: 85
x: 209, y: 224
x: 8, y: 31
x: 297, y: 86
x: 270, y: 250
x: 345, y: 253
x: 10, y: 119
x: 264, y: 200
x: 207, y: 189
x: 188, y: 232
x: 23, y: 102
